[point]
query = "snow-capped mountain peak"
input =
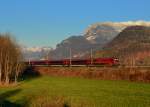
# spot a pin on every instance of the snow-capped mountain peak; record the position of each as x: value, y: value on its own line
x: 36, y: 53
x: 36, y: 49
x: 91, y: 38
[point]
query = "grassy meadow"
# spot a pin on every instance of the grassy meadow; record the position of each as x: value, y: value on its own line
x: 50, y: 91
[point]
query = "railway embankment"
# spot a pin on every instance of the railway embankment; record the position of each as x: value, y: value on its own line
x: 138, y: 74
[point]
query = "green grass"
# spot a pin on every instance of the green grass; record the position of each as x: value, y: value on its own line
x: 79, y: 91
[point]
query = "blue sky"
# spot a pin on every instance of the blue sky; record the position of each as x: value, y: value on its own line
x: 47, y: 22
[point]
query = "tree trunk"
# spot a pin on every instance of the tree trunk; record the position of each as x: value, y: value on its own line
x: 0, y: 77
x: 7, y: 79
x: 15, y: 79
x: 0, y: 73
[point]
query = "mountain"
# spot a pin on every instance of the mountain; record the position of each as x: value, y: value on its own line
x: 77, y: 44
x: 133, y: 43
x: 35, y: 53
x: 95, y: 37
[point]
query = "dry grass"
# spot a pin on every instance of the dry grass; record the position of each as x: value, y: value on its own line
x: 4, y: 85
x: 56, y: 101
x: 46, y: 101
x: 106, y: 73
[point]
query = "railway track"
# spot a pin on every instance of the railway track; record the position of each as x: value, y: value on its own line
x: 90, y: 66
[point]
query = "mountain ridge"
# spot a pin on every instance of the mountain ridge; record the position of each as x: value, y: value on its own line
x: 95, y: 37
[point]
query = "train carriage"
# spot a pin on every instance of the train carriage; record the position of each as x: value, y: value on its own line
x: 69, y: 62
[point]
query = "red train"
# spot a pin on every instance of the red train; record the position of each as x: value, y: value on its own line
x: 68, y: 62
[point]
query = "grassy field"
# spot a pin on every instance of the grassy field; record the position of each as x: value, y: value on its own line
x: 49, y: 91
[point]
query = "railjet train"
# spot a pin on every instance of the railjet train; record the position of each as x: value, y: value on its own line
x: 76, y: 62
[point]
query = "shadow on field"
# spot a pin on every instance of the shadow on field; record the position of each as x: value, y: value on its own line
x: 6, y: 103
x: 30, y: 73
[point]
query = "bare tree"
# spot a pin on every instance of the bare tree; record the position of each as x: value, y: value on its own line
x: 10, y: 59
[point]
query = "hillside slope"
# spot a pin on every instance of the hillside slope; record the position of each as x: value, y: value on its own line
x: 131, y: 45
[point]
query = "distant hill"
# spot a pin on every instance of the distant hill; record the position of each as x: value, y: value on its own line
x: 132, y: 45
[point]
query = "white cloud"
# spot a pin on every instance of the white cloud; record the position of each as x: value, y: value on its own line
x: 119, y: 26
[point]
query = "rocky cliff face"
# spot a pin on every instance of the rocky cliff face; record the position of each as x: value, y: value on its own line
x: 101, y: 33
